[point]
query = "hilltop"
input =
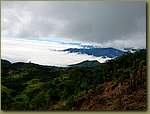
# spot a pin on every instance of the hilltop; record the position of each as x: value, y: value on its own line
x: 86, y: 63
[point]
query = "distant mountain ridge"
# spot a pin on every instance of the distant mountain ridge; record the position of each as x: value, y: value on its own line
x: 97, y: 52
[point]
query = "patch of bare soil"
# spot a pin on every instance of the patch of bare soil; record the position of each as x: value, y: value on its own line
x: 110, y: 96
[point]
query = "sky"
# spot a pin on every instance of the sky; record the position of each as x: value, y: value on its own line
x: 34, y: 31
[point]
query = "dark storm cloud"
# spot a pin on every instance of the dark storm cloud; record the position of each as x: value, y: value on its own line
x: 100, y: 22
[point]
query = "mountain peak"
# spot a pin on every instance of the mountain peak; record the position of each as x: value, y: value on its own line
x: 109, y: 52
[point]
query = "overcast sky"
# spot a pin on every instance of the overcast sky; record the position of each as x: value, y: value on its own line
x: 107, y: 24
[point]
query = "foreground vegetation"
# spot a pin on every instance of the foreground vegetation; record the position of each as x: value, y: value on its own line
x: 118, y: 84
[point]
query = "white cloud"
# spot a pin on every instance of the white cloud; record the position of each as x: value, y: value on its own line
x: 41, y: 52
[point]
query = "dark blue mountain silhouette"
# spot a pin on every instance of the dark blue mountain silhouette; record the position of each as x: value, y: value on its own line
x: 98, y: 52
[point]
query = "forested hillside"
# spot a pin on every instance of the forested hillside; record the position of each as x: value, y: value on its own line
x: 118, y: 84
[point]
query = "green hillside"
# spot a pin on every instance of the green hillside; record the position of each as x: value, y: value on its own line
x: 118, y: 84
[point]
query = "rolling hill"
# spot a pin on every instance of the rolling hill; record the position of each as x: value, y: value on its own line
x: 86, y: 63
x: 119, y: 84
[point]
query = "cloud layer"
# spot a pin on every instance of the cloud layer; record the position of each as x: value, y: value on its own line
x: 42, y: 52
x: 96, y: 22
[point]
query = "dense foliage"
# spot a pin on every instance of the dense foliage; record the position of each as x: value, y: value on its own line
x: 28, y: 86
